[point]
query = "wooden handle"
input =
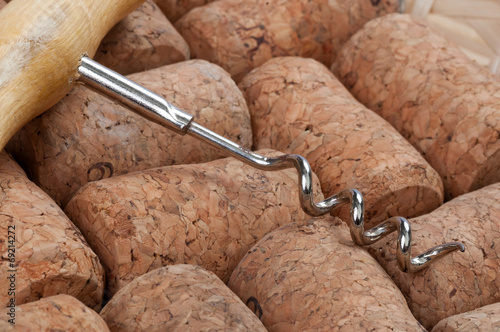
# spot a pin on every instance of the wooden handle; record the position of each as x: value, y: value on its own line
x: 41, y: 43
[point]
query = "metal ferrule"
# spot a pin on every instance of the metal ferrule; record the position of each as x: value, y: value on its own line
x: 146, y: 103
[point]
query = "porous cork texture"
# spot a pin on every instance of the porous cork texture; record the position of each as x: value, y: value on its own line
x: 445, y: 104
x: 242, y: 35
x: 51, y: 256
x: 484, y: 319
x: 313, y: 277
x: 144, y: 40
x: 459, y: 282
x: 298, y: 106
x: 205, y: 214
x: 178, y: 298
x: 55, y: 313
x: 87, y: 137
x: 175, y: 9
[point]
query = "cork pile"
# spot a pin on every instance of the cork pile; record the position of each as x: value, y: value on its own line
x: 123, y: 225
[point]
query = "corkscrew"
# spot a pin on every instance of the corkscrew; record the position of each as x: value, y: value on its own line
x: 157, y: 109
x: 403, y: 252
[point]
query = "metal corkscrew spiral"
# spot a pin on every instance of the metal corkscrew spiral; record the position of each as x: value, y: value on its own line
x: 157, y: 109
x: 403, y: 254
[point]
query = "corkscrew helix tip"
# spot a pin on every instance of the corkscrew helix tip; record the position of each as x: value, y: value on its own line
x: 403, y: 252
x: 157, y: 109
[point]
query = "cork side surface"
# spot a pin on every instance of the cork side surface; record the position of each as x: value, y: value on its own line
x: 40, y: 244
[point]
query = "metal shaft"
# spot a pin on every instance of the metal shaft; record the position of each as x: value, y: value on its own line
x: 157, y: 109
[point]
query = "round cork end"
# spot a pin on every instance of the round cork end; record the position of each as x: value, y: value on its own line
x: 408, y: 201
x: 178, y: 297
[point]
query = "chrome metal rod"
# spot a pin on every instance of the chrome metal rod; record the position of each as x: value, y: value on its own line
x: 403, y: 252
x: 146, y: 103
x: 157, y: 109
x: 306, y: 195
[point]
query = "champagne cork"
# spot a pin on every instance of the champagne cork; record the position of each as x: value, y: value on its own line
x: 175, y: 9
x: 144, y: 40
x: 55, y: 313
x: 445, y: 104
x: 87, y: 137
x: 456, y: 283
x: 298, y: 106
x: 242, y: 35
x: 204, y: 214
x: 484, y: 319
x: 42, y: 252
x: 312, y: 277
x: 178, y: 298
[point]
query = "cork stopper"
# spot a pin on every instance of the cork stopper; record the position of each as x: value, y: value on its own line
x: 312, y: 277
x: 178, y: 297
x: 298, y: 106
x: 445, y: 104
x: 203, y: 214
x: 41, y: 248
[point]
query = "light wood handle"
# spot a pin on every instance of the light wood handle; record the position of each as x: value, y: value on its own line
x: 41, y: 44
